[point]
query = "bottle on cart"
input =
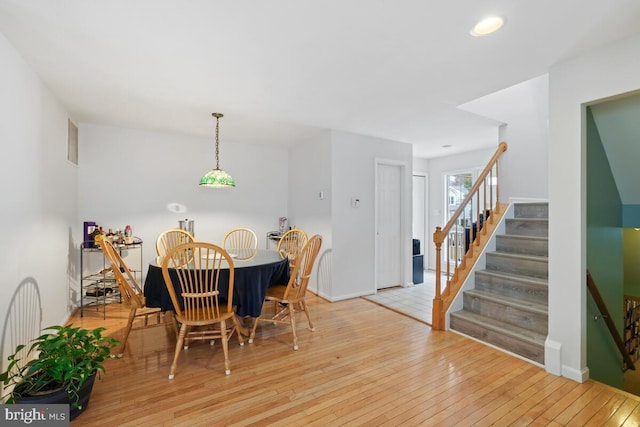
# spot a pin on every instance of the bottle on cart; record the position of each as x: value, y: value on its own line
x: 128, y: 235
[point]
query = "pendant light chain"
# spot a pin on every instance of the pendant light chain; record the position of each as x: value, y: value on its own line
x: 217, y: 116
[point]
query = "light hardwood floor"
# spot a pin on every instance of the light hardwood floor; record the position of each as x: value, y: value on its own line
x: 364, y: 365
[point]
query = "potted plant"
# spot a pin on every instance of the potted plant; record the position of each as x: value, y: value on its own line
x: 60, y: 365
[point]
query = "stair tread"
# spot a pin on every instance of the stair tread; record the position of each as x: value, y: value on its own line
x: 502, y: 327
x: 530, y: 280
x: 514, y: 302
x: 520, y: 256
x: 523, y: 237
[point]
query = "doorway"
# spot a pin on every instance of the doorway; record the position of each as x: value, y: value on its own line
x: 419, y: 227
x: 420, y: 209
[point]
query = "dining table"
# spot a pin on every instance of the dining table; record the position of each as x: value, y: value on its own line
x: 252, y: 277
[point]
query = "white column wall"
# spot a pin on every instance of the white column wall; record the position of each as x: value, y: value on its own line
x: 610, y: 71
x: 39, y: 230
x: 310, y: 172
x: 353, y: 159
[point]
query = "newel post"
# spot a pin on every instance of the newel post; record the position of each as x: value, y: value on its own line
x: 437, y: 315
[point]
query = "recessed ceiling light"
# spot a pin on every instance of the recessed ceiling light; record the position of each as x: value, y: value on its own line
x: 488, y: 25
x: 447, y: 146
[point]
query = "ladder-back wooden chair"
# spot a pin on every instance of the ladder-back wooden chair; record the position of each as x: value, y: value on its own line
x: 289, y: 298
x: 204, y: 301
x: 241, y: 243
x: 130, y: 291
x: 170, y: 239
x: 291, y: 244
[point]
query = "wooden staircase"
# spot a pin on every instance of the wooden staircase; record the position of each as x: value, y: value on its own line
x: 508, y: 307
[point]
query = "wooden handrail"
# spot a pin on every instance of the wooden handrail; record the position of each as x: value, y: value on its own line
x: 457, y: 274
x: 604, y: 311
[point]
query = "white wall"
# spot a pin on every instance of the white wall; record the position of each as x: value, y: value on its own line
x: 130, y: 177
x: 524, y: 110
x: 309, y: 174
x: 39, y: 258
x: 603, y: 73
x: 342, y: 165
x: 353, y: 160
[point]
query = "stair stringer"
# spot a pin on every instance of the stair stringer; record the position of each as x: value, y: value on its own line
x: 480, y: 264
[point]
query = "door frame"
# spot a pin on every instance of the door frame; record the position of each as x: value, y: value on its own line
x: 404, y: 226
x: 426, y: 243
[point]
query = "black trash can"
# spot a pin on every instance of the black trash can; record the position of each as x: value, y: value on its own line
x: 418, y: 263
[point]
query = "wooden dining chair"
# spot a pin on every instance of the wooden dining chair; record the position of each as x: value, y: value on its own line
x: 130, y: 291
x: 171, y: 238
x: 290, y: 298
x: 291, y: 244
x: 202, y: 304
x: 241, y: 243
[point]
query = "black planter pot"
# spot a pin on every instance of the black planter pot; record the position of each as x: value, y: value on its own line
x: 62, y: 397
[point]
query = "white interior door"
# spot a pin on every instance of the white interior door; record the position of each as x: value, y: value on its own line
x: 388, y: 226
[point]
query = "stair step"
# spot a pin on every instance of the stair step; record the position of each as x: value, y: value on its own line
x: 524, y: 342
x: 527, y: 226
x: 525, y: 265
x: 527, y: 245
x: 531, y: 210
x: 508, y: 307
x: 526, y: 314
x: 514, y: 286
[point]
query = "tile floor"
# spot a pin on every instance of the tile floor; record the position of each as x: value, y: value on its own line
x: 415, y: 301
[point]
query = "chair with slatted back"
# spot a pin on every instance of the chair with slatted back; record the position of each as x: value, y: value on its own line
x: 290, y: 298
x: 241, y: 243
x: 170, y: 239
x: 204, y: 308
x: 130, y: 291
x: 291, y: 244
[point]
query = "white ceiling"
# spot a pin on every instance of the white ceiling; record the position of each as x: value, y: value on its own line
x: 281, y: 70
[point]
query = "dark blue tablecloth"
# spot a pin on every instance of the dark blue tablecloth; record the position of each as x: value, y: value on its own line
x: 249, y: 289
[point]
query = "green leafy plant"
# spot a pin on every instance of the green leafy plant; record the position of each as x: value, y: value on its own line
x: 62, y: 359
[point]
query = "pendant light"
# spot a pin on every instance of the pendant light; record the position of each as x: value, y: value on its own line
x: 217, y: 177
